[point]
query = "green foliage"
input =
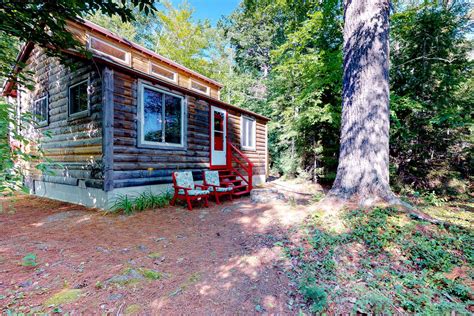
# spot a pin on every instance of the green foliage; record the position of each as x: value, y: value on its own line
x: 146, y: 200
x: 432, y: 94
x: 316, y: 295
x: 294, y: 77
x: 29, y: 260
x: 288, y: 65
x: 403, y: 263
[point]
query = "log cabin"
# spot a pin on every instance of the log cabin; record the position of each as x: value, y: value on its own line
x: 121, y: 120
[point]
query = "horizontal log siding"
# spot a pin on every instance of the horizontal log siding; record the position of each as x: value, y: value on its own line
x: 258, y: 156
x: 74, y: 145
x: 134, y: 166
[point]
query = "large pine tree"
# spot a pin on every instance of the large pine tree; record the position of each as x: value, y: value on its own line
x: 363, y: 170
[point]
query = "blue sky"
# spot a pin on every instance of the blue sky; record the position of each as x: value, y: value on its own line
x: 210, y: 9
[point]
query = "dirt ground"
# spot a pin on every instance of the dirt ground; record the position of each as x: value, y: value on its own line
x: 217, y: 260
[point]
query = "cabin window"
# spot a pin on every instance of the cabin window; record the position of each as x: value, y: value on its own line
x: 247, y: 133
x: 109, y: 50
x: 163, y: 72
x: 79, y: 99
x: 40, y: 111
x: 196, y: 86
x: 162, y: 118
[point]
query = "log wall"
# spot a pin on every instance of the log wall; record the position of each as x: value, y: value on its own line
x: 108, y: 158
x: 134, y: 165
x: 73, y: 145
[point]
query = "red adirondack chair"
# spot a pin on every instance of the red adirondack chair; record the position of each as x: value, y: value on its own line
x: 185, y: 189
x: 213, y: 184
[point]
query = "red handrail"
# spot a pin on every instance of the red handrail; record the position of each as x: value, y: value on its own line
x: 231, y: 151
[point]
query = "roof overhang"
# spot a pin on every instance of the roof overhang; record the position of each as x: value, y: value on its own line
x: 107, y: 62
x: 9, y: 86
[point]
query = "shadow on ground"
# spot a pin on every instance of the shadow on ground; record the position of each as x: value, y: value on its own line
x: 217, y: 260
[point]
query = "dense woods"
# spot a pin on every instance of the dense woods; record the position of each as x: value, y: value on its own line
x: 284, y: 60
x: 295, y: 76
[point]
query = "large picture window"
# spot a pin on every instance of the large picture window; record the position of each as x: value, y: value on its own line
x: 40, y: 111
x: 161, y: 118
x: 247, y: 133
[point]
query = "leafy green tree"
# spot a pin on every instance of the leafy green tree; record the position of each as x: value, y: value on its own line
x: 433, y: 94
x: 183, y: 40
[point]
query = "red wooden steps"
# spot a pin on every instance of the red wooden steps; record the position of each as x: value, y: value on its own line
x: 229, y: 177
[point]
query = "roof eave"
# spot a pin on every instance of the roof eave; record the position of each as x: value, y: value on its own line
x: 168, y: 84
x: 23, y: 55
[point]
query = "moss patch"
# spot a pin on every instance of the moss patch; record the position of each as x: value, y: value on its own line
x: 63, y: 297
x: 150, y: 274
x: 193, y: 278
x: 154, y: 255
x: 132, y: 309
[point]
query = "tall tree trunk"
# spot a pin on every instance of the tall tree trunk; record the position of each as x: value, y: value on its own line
x: 362, y: 173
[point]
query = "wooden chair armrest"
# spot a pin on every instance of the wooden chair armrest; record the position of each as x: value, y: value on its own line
x: 202, y: 186
x: 177, y: 187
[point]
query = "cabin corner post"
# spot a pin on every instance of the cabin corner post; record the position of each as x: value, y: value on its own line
x: 108, y: 127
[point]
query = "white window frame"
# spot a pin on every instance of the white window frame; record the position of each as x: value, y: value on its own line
x: 46, y: 121
x: 175, y: 74
x: 127, y: 53
x: 244, y: 132
x: 208, y: 89
x: 141, y: 119
x: 84, y: 112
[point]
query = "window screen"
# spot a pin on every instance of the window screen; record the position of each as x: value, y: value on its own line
x: 78, y: 98
x: 247, y: 133
x: 40, y: 111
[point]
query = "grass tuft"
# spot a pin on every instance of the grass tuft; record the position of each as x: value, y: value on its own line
x: 146, y: 200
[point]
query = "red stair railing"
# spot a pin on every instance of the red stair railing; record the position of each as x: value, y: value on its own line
x: 234, y: 155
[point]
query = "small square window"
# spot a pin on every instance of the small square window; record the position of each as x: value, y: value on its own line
x: 247, y: 133
x: 40, y: 111
x: 79, y: 99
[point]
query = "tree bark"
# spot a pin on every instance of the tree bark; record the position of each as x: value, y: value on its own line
x: 362, y: 173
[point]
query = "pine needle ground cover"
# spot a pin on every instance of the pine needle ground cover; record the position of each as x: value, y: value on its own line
x: 383, y: 261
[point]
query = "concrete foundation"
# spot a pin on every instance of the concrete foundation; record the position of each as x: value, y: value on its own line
x: 97, y: 198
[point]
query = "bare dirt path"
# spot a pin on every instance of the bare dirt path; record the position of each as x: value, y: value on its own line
x: 217, y: 260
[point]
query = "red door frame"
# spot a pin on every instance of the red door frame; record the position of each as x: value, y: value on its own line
x: 211, y: 166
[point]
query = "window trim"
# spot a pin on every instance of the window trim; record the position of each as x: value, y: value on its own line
x: 254, y: 134
x: 141, y: 142
x: 208, y: 91
x: 127, y: 60
x: 175, y: 74
x: 83, y: 113
x: 46, y: 121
